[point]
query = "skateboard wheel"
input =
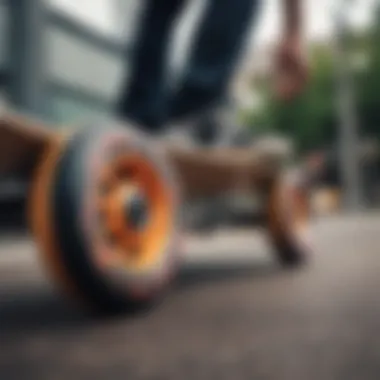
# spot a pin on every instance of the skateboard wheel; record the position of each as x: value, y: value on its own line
x: 288, y: 220
x: 104, y: 211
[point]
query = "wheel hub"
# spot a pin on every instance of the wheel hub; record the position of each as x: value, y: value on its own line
x: 136, y: 210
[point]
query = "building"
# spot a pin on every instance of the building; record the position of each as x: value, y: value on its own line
x: 64, y: 59
x: 48, y: 47
x: 61, y: 60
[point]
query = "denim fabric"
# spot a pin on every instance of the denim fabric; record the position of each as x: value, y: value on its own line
x: 213, y: 58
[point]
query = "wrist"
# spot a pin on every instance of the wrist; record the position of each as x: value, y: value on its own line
x: 292, y: 36
x: 293, y: 24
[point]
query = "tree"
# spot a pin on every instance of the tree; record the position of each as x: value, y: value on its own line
x: 311, y: 119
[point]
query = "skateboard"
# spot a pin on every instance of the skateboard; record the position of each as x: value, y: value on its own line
x: 106, y: 201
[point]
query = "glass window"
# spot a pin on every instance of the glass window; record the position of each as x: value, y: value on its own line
x: 74, y: 62
x: 66, y: 110
x: 114, y: 18
x: 96, y: 14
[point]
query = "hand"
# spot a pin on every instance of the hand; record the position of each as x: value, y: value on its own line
x: 291, y: 69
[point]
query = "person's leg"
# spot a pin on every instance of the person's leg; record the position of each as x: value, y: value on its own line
x: 215, y: 54
x: 141, y: 98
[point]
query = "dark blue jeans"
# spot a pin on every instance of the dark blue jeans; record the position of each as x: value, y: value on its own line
x: 146, y: 99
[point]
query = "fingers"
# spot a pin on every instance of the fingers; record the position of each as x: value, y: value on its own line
x: 291, y: 83
x: 292, y: 73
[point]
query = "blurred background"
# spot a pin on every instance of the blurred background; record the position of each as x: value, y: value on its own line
x: 234, y: 314
x: 64, y: 60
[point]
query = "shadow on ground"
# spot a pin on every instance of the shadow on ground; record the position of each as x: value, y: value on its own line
x: 198, y: 274
x: 33, y: 308
x: 13, y: 218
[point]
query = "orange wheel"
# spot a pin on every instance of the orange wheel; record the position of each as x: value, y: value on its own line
x: 109, y: 222
x: 288, y: 220
x: 40, y: 219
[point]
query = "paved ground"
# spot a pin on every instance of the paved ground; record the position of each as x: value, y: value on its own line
x: 234, y: 314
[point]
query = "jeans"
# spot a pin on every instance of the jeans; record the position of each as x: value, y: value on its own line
x: 215, y: 52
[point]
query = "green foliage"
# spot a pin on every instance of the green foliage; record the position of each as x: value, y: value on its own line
x: 308, y: 119
x: 311, y: 119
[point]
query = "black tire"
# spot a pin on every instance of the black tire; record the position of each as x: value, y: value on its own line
x: 288, y: 221
x: 77, y: 223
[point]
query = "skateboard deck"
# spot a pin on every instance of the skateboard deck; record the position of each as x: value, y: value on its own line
x: 207, y: 172
x: 202, y: 172
x: 22, y: 141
